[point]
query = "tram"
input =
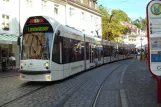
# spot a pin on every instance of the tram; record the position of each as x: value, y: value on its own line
x: 51, y: 51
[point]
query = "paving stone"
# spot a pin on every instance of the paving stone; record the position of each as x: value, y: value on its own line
x: 52, y: 95
x: 140, y: 89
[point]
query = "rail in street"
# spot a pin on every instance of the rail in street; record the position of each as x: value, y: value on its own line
x: 93, y: 88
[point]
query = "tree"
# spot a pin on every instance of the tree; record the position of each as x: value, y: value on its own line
x: 113, y: 28
x: 140, y: 23
x: 121, y: 15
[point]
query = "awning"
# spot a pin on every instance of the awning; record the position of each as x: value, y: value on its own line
x: 8, y: 38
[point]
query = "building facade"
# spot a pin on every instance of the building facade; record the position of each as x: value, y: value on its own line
x: 80, y: 14
x: 135, y: 35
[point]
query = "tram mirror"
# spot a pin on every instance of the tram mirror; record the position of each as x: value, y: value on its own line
x: 58, y: 32
x: 56, y: 39
x: 18, y: 40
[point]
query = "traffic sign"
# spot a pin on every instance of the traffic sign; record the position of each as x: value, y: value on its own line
x: 154, y: 36
x: 153, y: 12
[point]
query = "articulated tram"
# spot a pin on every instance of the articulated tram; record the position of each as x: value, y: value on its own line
x: 51, y: 51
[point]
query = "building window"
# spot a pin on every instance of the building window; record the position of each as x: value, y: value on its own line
x: 29, y: 3
x: 82, y: 16
x: 5, y: 22
x: 91, y: 18
x: 6, y: 0
x: 81, y: 1
x: 95, y: 20
x: 90, y: 3
x: 56, y: 9
x: 71, y: 11
x: 44, y: 5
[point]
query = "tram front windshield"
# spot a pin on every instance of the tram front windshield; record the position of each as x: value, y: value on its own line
x: 37, y: 45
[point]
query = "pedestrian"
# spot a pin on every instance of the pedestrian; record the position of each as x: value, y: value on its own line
x: 10, y: 62
x: 146, y: 57
x: 13, y: 62
x: 4, y: 62
x: 136, y: 55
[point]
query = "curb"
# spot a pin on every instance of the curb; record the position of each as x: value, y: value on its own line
x: 122, y: 91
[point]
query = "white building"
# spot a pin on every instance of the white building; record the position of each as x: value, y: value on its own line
x: 137, y: 40
x: 80, y: 14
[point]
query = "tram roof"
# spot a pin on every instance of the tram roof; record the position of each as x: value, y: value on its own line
x: 113, y: 43
x: 106, y: 42
x: 89, y: 38
x: 72, y: 33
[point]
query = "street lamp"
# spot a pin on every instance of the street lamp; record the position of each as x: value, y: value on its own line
x: 141, y: 40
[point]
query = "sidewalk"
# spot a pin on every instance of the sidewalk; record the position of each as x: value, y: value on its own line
x: 8, y: 73
x: 140, y: 88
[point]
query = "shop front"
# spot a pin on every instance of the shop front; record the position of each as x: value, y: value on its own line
x: 8, y: 45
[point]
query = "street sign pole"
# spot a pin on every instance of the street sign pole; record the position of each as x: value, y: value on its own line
x: 153, y: 13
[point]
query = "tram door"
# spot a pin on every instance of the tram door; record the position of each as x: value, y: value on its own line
x: 91, y: 54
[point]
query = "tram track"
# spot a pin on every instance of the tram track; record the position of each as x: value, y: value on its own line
x: 2, y: 77
x: 81, y: 80
x: 70, y: 94
x: 60, y: 93
x: 28, y: 93
x: 5, y: 103
x: 65, y: 100
x: 93, y: 104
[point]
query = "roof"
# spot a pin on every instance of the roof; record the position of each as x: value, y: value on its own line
x: 8, y: 38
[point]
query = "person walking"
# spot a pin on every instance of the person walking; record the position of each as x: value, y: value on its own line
x: 146, y: 57
x: 4, y: 62
x: 13, y: 62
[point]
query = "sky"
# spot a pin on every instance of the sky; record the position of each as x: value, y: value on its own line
x: 133, y: 8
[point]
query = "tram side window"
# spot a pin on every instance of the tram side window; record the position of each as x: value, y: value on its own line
x: 56, y: 52
x: 96, y: 52
x: 99, y: 54
x: 120, y: 51
x: 111, y: 50
x: 104, y: 48
x: 124, y: 51
x: 66, y: 50
x: 82, y: 51
x: 77, y: 50
x: 87, y: 51
x: 92, y: 54
x: 106, y: 51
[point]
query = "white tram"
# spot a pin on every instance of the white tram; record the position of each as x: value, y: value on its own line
x: 51, y: 51
x: 107, y: 51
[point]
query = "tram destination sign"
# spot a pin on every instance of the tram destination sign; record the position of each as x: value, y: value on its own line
x: 154, y: 36
x: 37, y: 28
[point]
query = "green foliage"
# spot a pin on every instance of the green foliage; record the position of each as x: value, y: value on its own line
x: 140, y: 23
x: 121, y: 15
x: 113, y: 28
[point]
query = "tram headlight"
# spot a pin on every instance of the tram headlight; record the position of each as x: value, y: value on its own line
x: 46, y: 65
x: 48, y: 77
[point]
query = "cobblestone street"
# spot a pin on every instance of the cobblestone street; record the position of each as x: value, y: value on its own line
x: 140, y: 88
x: 99, y: 87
